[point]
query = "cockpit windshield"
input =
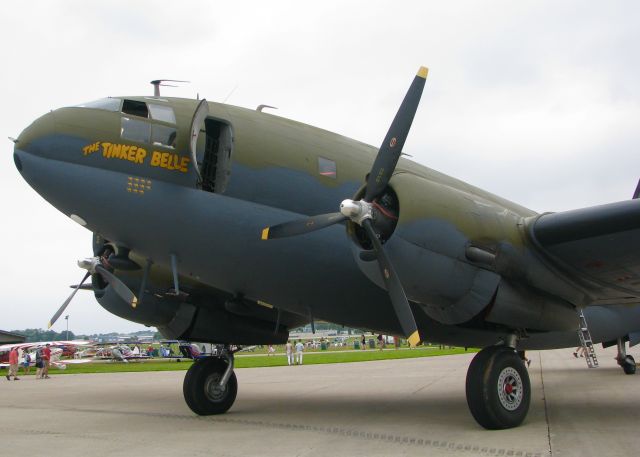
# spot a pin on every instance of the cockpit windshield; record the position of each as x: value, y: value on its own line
x: 141, y: 121
x: 108, y: 104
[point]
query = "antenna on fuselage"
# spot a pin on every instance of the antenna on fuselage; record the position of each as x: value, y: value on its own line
x: 156, y: 83
x: 261, y: 107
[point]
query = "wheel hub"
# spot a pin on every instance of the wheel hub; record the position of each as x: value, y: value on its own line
x: 510, y: 389
x: 212, y: 388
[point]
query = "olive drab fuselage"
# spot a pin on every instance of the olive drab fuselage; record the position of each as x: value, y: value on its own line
x: 467, y: 259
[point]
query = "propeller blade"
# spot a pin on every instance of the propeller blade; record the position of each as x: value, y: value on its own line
x: 396, y: 292
x: 67, y: 301
x: 302, y: 226
x: 636, y: 194
x: 118, y: 286
x: 391, y: 148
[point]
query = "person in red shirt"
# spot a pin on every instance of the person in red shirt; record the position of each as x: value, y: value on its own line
x: 13, y: 365
x: 46, y: 359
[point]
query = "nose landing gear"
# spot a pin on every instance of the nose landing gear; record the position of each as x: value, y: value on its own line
x: 210, y: 385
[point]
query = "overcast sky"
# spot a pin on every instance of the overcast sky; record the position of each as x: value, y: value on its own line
x: 538, y: 102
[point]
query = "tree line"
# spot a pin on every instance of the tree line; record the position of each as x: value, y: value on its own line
x: 38, y: 334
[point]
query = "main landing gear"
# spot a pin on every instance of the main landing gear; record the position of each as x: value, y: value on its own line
x: 498, y: 388
x: 210, y: 386
x: 627, y: 362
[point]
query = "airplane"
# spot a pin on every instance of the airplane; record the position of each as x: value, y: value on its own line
x: 234, y: 225
x: 117, y: 352
x: 90, y: 353
x: 62, y: 348
x: 58, y: 350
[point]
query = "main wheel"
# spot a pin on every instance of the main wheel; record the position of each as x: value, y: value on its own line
x: 629, y: 365
x: 498, y: 388
x: 201, y: 387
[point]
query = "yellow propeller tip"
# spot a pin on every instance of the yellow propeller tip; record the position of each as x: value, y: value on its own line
x: 49, y: 325
x: 265, y: 233
x: 414, y: 339
x: 134, y: 302
x: 423, y: 72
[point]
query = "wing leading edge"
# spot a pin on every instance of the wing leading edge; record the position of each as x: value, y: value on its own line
x: 598, y: 246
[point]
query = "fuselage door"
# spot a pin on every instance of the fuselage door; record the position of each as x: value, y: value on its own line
x: 202, y: 111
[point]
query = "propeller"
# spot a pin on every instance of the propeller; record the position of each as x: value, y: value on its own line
x: 361, y: 212
x: 93, y: 266
x: 67, y: 301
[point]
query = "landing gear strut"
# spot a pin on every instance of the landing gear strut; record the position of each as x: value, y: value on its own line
x: 627, y: 362
x: 210, y: 385
x: 498, y: 388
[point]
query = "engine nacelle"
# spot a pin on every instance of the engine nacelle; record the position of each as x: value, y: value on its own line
x: 436, y: 224
x: 459, y: 254
x: 213, y: 322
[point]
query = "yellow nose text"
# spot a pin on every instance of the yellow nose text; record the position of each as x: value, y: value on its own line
x: 170, y: 161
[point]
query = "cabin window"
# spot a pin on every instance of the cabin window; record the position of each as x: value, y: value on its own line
x: 326, y: 167
x: 135, y: 130
x: 108, y: 104
x: 135, y: 108
x: 162, y: 113
x: 163, y: 136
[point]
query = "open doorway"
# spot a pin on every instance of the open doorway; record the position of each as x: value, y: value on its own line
x: 216, y: 161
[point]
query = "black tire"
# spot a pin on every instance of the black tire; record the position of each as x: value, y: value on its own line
x: 629, y: 365
x: 498, y: 388
x: 199, y: 388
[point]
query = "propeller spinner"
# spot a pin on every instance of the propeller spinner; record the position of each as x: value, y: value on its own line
x: 361, y: 211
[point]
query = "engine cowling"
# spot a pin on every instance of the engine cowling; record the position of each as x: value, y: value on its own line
x: 427, y: 244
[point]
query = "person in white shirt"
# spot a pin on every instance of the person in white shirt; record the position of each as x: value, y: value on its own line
x: 289, y: 349
x: 299, y: 351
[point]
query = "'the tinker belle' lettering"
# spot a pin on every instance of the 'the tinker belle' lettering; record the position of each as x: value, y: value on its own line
x: 167, y: 160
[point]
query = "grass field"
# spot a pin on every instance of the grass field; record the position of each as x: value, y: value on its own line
x: 261, y: 360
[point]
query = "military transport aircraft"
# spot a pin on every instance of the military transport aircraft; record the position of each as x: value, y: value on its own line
x: 233, y: 226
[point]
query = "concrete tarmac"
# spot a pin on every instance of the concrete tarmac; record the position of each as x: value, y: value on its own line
x: 387, y: 408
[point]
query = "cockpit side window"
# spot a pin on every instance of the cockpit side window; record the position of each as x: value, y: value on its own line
x: 135, y: 108
x: 135, y: 130
x: 163, y: 135
x: 162, y: 113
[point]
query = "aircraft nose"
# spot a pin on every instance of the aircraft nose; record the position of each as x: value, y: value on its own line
x: 35, y: 139
x: 48, y: 155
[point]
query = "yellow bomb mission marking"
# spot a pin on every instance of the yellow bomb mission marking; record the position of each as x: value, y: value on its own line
x: 166, y: 160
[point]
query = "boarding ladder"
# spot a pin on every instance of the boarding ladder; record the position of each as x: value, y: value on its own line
x: 586, y: 342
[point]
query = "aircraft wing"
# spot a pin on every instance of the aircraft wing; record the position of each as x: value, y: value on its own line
x: 599, y: 247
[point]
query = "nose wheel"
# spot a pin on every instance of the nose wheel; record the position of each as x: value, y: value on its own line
x: 498, y: 388
x: 204, y: 388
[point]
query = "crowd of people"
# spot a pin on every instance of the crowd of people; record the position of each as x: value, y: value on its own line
x: 18, y: 357
x: 295, y: 350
